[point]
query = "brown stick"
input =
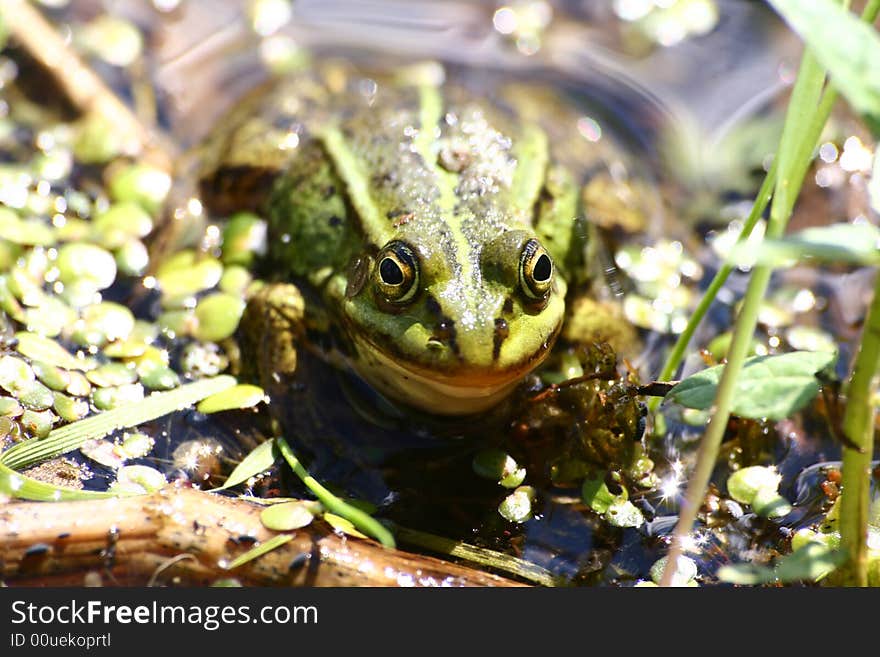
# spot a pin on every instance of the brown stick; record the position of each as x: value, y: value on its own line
x: 82, y: 86
x: 182, y: 536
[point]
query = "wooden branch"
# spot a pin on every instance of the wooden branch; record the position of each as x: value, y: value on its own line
x: 84, y: 89
x: 181, y: 536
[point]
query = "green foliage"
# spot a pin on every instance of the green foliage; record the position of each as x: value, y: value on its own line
x: 336, y: 507
x: 258, y: 551
x: 74, y: 435
x: 841, y: 243
x: 770, y: 387
x: 847, y: 47
x: 258, y: 460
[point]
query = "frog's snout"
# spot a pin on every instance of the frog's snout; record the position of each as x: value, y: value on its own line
x: 487, y: 340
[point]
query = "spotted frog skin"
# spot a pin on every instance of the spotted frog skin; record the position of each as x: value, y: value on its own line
x: 439, y: 229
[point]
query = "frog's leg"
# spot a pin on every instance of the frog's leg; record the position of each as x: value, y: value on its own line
x: 271, y: 328
x: 565, y: 227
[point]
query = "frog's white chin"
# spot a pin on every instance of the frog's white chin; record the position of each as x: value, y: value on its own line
x: 432, y: 394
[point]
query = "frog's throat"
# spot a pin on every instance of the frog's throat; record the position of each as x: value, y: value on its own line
x: 433, y: 392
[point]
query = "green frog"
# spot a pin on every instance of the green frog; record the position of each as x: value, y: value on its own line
x: 438, y: 225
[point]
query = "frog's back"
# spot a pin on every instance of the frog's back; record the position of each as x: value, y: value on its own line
x: 304, y: 149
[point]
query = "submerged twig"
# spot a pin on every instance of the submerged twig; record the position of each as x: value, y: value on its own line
x: 84, y: 89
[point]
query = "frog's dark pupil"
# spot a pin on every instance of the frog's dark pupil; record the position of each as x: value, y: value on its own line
x: 390, y: 272
x: 543, y: 269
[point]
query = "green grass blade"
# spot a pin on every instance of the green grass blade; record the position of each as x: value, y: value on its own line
x: 18, y: 485
x: 258, y: 460
x: 361, y: 520
x: 74, y: 435
x: 858, y: 425
x: 798, y: 130
x: 259, y: 550
x: 478, y: 555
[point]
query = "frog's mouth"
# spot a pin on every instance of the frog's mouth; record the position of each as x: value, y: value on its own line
x: 465, y: 392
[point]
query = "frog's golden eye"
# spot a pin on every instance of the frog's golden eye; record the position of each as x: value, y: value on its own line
x: 535, y: 270
x: 396, y: 274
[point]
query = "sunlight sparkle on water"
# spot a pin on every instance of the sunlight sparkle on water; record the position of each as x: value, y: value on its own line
x: 589, y: 128
x: 856, y: 156
x: 504, y: 20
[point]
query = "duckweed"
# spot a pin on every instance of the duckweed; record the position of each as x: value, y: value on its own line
x: 239, y: 396
x: 112, y: 397
x: 142, y: 184
x: 286, y: 516
x: 33, y: 232
x: 132, y: 258
x: 102, y: 323
x: 115, y: 40
x: 112, y: 374
x: 95, y: 141
x: 235, y: 280
x: 517, y: 507
x: 50, y: 318
x: 499, y: 466
x: 14, y: 373
x: 139, y: 479
x: 121, y: 221
x: 35, y: 396
x: 9, y: 407
x: 37, y: 347
x: 218, y: 315
x: 160, y: 378
x: 79, y: 263
x: 70, y: 408
x: 135, y: 445
x: 186, y: 276
x: 38, y: 423
x: 79, y: 385
x: 244, y: 236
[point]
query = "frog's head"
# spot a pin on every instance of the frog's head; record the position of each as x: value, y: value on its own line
x: 451, y: 324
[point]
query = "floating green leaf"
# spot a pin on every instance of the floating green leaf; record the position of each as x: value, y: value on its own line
x: 770, y: 387
x: 847, y: 47
x: 517, y: 507
x: 597, y: 496
x: 218, y: 316
x: 843, y: 242
x: 36, y: 347
x: 241, y: 396
x: 498, y: 465
x: 286, y: 516
x: 344, y: 525
x: 810, y: 563
x: 258, y: 460
x: 624, y: 514
x: 685, y: 573
x: 745, y: 483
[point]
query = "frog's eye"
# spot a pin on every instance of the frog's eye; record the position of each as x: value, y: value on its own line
x: 535, y: 270
x: 397, y: 273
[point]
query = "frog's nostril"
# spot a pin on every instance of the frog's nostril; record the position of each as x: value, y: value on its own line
x: 444, y: 335
x: 445, y: 331
x: 502, y: 330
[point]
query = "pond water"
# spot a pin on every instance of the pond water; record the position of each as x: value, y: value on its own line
x: 695, y: 99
